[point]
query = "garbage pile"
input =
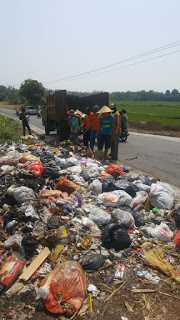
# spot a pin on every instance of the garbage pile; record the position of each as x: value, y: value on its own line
x: 74, y: 231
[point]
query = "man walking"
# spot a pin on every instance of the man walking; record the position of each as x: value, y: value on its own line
x: 74, y: 122
x: 25, y: 123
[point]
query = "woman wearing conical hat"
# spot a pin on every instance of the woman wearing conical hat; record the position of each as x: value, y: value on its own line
x: 106, y: 130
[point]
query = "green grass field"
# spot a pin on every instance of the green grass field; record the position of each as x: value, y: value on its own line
x: 167, y: 113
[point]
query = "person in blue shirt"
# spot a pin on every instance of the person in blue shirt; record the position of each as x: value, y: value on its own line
x: 106, y: 130
x: 74, y: 122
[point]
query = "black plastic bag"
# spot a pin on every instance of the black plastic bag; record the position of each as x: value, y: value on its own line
x: 53, y: 223
x: 176, y: 215
x: 127, y: 186
x: 93, y: 263
x: 145, y: 180
x: 108, y: 184
x: 51, y: 171
x: 29, y: 244
x: 139, y: 220
x: 114, y: 236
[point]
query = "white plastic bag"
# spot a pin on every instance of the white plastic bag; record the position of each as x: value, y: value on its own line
x: 141, y: 186
x: 96, y: 187
x: 124, y: 218
x: 15, y: 239
x: 141, y: 197
x: 23, y: 194
x: 30, y: 212
x: 91, y: 225
x: 99, y: 216
x: 162, y: 195
x: 161, y: 232
x: 115, y: 198
x: 74, y: 170
x: 11, y: 159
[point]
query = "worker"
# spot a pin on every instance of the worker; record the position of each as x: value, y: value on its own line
x: 23, y: 116
x: 74, y: 122
x: 86, y: 126
x: 124, y: 120
x: 106, y: 129
x: 115, y: 142
x: 94, y: 119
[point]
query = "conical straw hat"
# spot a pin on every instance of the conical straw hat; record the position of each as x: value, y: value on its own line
x: 104, y: 109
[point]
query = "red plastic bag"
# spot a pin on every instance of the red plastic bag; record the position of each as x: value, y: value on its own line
x: 177, y: 239
x: 114, y: 170
x: 66, y: 185
x: 67, y: 288
x: 37, y: 168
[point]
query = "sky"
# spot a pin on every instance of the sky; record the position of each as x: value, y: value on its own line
x: 50, y: 40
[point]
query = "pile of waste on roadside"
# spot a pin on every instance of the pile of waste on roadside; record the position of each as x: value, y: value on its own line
x: 74, y: 232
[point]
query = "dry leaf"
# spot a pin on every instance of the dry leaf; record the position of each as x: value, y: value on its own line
x: 129, y: 308
x: 147, y: 304
x: 84, y: 308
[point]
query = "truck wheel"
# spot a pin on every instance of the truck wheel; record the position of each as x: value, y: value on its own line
x: 47, y: 129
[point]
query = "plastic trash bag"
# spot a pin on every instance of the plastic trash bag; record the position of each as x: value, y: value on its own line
x: 99, y: 216
x: 162, y: 195
x: 66, y: 185
x: 95, y: 187
x: 37, y: 168
x: 138, y: 218
x: 91, y: 172
x: 127, y: 186
x: 114, y: 170
x: 141, y: 197
x: 69, y: 163
x: 74, y: 170
x: 93, y: 263
x: 141, y: 186
x: 27, y: 156
x: 156, y: 257
x: 23, y: 194
x: 29, y: 245
x: 108, y: 184
x: 11, y: 158
x: 161, y: 232
x: 14, y: 240
x: 53, y: 223
x: 123, y: 218
x: 51, y: 171
x: 114, y: 236
x: 6, y: 169
x: 145, y: 180
x: 30, y: 212
x: 67, y: 288
x: 115, y: 198
x: 91, y: 225
x: 176, y: 215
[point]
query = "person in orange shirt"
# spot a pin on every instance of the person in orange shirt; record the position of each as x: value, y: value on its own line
x: 94, y: 126
x: 86, y: 125
x: 115, y: 142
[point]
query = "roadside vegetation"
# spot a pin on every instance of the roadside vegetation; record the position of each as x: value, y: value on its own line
x: 167, y: 113
x: 9, y: 129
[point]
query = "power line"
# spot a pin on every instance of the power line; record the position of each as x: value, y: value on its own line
x: 162, y: 48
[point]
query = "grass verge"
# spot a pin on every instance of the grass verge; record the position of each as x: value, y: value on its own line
x: 9, y: 129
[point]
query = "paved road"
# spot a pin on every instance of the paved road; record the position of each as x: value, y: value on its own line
x: 159, y: 156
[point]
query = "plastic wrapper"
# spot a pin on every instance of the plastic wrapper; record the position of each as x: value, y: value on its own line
x: 123, y: 218
x: 114, y: 170
x: 66, y: 185
x: 14, y: 240
x: 162, y: 195
x: 115, y: 198
x: 67, y: 288
x: 11, y: 159
x: 91, y: 225
x: 93, y: 263
x: 177, y: 240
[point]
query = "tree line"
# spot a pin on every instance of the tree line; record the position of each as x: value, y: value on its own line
x: 34, y: 93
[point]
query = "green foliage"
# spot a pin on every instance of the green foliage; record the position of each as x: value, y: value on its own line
x: 143, y: 95
x: 9, y: 129
x: 33, y: 91
x: 167, y: 113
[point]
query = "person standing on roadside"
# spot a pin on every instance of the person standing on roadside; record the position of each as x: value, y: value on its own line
x: 86, y: 125
x: 25, y: 124
x: 94, y: 119
x: 106, y: 129
x: 74, y: 122
x: 117, y: 129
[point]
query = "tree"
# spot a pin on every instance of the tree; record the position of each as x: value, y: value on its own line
x: 175, y: 92
x: 33, y: 91
x: 168, y: 92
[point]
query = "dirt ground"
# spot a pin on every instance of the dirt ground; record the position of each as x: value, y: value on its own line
x: 153, y: 127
